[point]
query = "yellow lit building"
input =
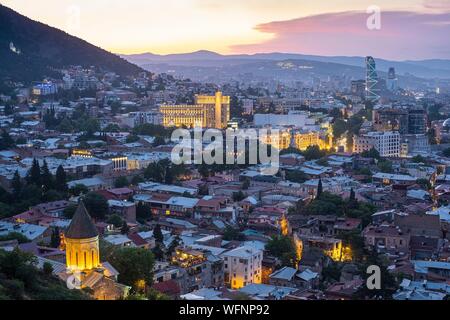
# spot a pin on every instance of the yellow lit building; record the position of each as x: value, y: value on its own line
x: 305, y: 140
x: 300, y: 141
x: 280, y: 141
x: 82, y: 244
x: 82, y: 153
x: 207, y: 112
x: 83, y: 267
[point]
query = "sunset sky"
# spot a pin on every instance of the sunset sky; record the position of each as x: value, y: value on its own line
x: 411, y: 29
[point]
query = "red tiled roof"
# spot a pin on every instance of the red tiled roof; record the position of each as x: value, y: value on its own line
x: 137, y: 239
x: 120, y: 191
x: 169, y: 287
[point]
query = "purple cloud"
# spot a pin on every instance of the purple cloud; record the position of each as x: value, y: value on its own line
x: 403, y: 35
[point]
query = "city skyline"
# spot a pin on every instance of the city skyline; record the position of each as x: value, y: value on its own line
x: 329, y: 28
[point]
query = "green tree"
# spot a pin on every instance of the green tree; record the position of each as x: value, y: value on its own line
x: 65, y: 126
x: 313, y: 153
x: 6, y: 142
x: 204, y: 171
x: 385, y: 166
x: 55, y: 239
x: 319, y: 188
x: 136, y: 180
x: 158, y: 252
x: 46, y: 177
x: 168, y: 177
x: 115, y: 220
x: 159, y: 141
x: 47, y: 268
x: 16, y: 184
x: 296, y: 176
x: 15, y: 236
x: 173, y: 245
x: 231, y: 234
x: 419, y: 159
x: 61, y: 180
x: 69, y: 211
x: 121, y: 182
x: 157, y: 234
x: 21, y: 280
x: 135, y: 265
x: 132, y: 138
x: 154, y: 172
x: 125, y: 228
x: 154, y: 295
x: 352, y: 195
x: 331, y: 273
x: 96, y: 204
x: 34, y: 174
x: 283, y: 247
x: 143, y: 212
x: 424, y: 184
x: 78, y: 189
x: 238, y: 196
x: 372, y: 153
x: 339, y: 128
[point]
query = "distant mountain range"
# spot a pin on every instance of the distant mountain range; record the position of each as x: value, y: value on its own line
x: 204, y: 59
x: 31, y: 50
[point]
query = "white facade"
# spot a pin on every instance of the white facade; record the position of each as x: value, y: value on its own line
x: 243, y: 266
x: 296, y: 119
x: 386, y: 143
x: 134, y: 119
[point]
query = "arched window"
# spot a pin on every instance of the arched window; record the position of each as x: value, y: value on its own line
x: 85, y: 260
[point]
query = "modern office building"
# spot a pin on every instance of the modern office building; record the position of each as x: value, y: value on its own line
x: 392, y: 81
x: 417, y: 121
x: 207, y: 112
x: 387, y: 118
x: 404, y: 119
x: 386, y: 143
x: 372, y: 90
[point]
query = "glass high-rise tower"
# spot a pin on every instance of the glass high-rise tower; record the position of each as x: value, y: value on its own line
x: 372, y: 89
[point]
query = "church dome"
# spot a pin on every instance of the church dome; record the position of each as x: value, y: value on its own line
x: 81, y: 226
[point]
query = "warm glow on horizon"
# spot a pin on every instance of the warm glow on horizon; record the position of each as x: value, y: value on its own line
x: 180, y: 26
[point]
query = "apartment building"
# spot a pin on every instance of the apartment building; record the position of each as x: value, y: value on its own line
x: 386, y: 143
x: 242, y: 266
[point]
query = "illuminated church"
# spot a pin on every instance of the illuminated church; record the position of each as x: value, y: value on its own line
x: 83, y: 266
x: 82, y: 243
